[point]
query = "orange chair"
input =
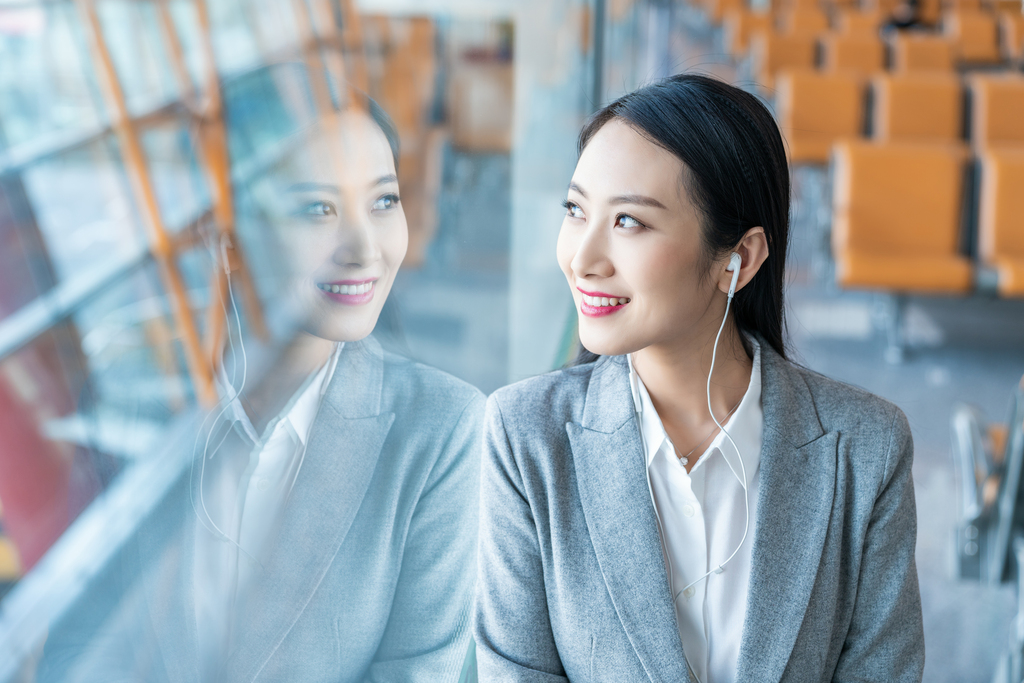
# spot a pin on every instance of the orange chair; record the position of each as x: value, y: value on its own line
x: 738, y: 25
x: 716, y: 9
x: 1001, y: 218
x: 974, y: 33
x: 997, y: 110
x: 851, y: 22
x: 1011, y: 35
x: 771, y: 51
x: 803, y: 20
x: 918, y: 52
x: 929, y: 11
x: 921, y: 107
x: 859, y: 53
x: 816, y: 109
x: 896, y: 217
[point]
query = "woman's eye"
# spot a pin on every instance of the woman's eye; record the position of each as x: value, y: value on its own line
x: 388, y: 201
x: 573, y: 210
x: 628, y: 222
x: 318, y: 209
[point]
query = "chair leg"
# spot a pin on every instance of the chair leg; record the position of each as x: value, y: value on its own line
x: 896, y: 340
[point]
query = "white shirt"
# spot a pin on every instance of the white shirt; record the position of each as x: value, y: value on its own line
x: 247, y: 509
x: 702, y: 518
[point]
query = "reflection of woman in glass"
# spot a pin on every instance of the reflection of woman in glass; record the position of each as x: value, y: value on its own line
x: 343, y: 549
x: 336, y: 541
x: 625, y: 535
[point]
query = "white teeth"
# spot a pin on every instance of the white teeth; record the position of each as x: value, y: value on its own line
x: 602, y: 301
x: 335, y: 288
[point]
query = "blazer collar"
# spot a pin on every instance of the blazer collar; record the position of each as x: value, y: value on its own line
x: 796, y: 488
x: 611, y: 477
x: 344, y: 445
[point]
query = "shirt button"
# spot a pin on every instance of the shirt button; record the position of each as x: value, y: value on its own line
x: 263, y: 485
x: 688, y: 511
x: 688, y: 593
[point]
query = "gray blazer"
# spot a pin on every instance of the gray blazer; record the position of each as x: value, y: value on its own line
x: 372, y: 576
x: 572, y: 584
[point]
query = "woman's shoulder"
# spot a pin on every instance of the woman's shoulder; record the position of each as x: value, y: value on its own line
x: 556, y: 396
x: 413, y: 382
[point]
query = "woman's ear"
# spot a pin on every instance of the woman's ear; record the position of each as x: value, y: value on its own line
x: 753, y: 251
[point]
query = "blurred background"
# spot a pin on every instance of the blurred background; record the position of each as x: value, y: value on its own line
x: 134, y: 133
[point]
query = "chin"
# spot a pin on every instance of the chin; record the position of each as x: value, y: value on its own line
x: 352, y: 329
x: 607, y: 344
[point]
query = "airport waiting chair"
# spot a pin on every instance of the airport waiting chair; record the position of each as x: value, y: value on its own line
x: 974, y: 34
x: 738, y: 25
x: 772, y: 52
x: 1011, y: 36
x: 810, y: 20
x: 917, y: 107
x: 864, y: 54
x: 929, y: 12
x: 997, y: 110
x: 815, y: 109
x: 854, y: 22
x: 913, y: 52
x: 896, y: 217
x: 1001, y: 218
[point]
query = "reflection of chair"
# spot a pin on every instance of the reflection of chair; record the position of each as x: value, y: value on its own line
x: 739, y: 25
x: 988, y: 459
x: 917, y: 52
x: 863, y: 54
x: 974, y: 33
x: 922, y: 107
x: 1001, y: 218
x: 997, y: 110
x: 772, y: 51
x: 816, y: 109
x: 716, y: 9
x: 897, y: 211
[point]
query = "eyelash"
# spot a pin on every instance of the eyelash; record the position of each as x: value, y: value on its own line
x: 569, y: 205
x: 394, y: 198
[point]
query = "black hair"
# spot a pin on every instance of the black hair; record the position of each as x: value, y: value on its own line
x: 384, y: 122
x: 735, y: 173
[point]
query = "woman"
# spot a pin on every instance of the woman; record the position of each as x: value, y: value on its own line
x: 624, y: 536
x: 328, y: 530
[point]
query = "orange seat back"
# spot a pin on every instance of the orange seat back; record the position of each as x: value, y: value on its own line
x: 1011, y: 35
x: 897, y: 198
x: 801, y: 20
x: 859, y: 53
x: 997, y: 110
x: 739, y: 24
x: 851, y: 22
x: 1001, y: 214
x: 915, y: 52
x: 816, y: 109
x: 772, y: 51
x: 922, y: 107
x: 975, y: 34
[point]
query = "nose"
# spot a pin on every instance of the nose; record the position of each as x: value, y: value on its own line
x: 591, y: 257
x: 356, y: 245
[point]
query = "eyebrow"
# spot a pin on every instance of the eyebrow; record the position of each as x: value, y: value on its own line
x: 326, y: 187
x: 636, y: 199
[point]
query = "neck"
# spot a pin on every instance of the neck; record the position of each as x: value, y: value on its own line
x: 676, y: 377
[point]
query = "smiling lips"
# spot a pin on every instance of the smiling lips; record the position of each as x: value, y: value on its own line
x: 349, y: 292
x: 597, y: 304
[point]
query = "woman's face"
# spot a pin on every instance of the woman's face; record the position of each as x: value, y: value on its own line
x: 630, y: 246
x: 346, y: 233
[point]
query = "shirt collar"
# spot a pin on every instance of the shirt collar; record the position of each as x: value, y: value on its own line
x: 745, y: 426
x: 306, y: 403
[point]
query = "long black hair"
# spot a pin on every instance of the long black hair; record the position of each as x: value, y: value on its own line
x: 735, y: 173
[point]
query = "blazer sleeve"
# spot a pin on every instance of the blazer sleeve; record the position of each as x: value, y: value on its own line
x: 885, y: 641
x: 427, y: 636
x: 514, y: 640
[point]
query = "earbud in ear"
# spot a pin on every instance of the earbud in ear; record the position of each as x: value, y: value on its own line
x: 735, y: 263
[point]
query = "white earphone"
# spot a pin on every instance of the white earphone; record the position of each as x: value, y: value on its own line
x: 735, y: 263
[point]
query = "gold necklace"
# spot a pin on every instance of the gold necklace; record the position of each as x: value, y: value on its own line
x: 685, y: 459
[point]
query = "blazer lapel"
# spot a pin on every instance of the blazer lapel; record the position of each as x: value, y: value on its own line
x: 611, y: 477
x: 341, y: 455
x: 796, y: 491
